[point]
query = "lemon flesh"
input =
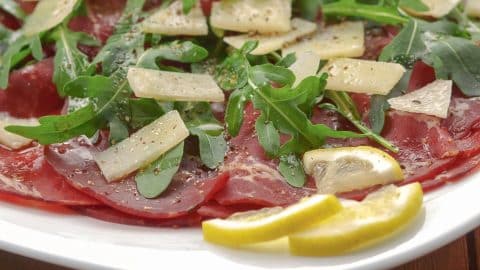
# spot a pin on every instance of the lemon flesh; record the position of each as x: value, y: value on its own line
x: 379, y: 216
x: 269, y: 223
x: 345, y: 169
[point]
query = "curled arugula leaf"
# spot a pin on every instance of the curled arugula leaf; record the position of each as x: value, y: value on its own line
x: 183, y: 52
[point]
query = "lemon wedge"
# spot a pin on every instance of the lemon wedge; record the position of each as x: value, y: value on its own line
x: 379, y: 216
x: 345, y: 169
x: 269, y: 223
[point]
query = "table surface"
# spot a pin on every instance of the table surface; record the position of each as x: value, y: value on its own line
x: 463, y: 254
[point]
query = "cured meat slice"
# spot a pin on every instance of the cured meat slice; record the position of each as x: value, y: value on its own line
x: 34, y: 203
x: 100, y: 19
x: 254, y: 179
x: 376, y: 39
x: 464, y: 117
x: 27, y: 173
x: 111, y: 215
x: 425, y: 146
x: 9, y: 21
x: 191, y: 187
x: 215, y: 210
x: 31, y: 92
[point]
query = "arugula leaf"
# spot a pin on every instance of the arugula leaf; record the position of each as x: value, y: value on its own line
x: 346, y: 107
x: 379, y: 104
x: 56, y: 129
x: 128, y: 40
x: 36, y: 48
x: 200, y: 121
x: 281, y: 106
x: 15, y: 53
x: 416, y: 5
x: 118, y: 130
x: 309, y: 9
x: 144, y: 111
x: 183, y: 52
x: 267, y: 74
x: 13, y: 8
x: 70, y: 63
x: 287, y: 61
x: 232, y: 72
x: 155, y: 179
x: 380, y: 12
x: 410, y: 44
x: 234, y: 111
x: 212, y: 148
x: 291, y: 168
x: 107, y: 97
x: 435, y: 44
x: 268, y: 136
x: 455, y: 58
x: 188, y: 5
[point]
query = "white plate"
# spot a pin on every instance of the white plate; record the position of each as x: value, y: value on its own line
x: 81, y: 242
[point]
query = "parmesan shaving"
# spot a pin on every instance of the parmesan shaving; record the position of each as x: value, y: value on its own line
x: 47, y: 14
x: 172, y: 21
x: 143, y: 147
x: 11, y: 140
x: 306, y: 65
x: 174, y: 86
x: 274, y: 42
x: 473, y: 8
x: 433, y: 99
x: 362, y: 76
x: 340, y: 40
x: 437, y: 8
x: 262, y: 16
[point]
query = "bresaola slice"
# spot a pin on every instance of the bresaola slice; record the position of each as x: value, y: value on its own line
x: 191, y: 187
x: 111, y: 215
x: 254, y: 179
x: 26, y: 173
x: 31, y: 92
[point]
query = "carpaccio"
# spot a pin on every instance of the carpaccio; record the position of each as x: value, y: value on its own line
x: 432, y: 151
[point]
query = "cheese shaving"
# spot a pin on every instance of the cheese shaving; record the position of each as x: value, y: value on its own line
x: 261, y: 16
x: 340, y: 40
x: 433, y: 99
x: 362, y: 76
x: 274, y: 42
x: 172, y: 21
x: 10, y: 140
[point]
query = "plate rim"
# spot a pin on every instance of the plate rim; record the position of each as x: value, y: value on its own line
x: 470, y: 221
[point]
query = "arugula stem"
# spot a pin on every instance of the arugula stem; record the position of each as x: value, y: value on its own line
x: 370, y: 12
x: 372, y: 135
x: 346, y: 107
